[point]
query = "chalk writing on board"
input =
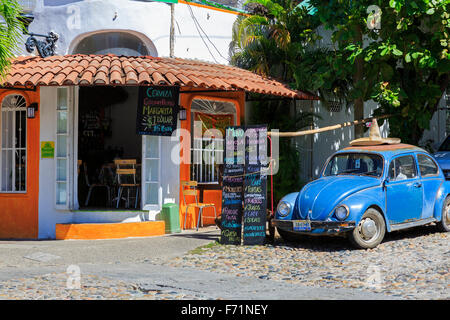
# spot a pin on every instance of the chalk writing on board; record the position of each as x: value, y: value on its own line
x: 157, y: 110
x: 244, y: 186
x: 232, y: 193
x: 255, y: 189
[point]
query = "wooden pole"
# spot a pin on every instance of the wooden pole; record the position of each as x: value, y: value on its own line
x: 358, y: 106
x: 329, y: 128
x: 172, y: 31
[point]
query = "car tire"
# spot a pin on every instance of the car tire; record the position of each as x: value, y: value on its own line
x: 370, y: 230
x: 289, y: 236
x: 444, y: 224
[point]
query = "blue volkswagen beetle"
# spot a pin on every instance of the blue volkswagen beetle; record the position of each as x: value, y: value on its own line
x: 364, y: 192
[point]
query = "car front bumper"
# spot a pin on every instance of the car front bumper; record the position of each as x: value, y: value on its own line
x: 316, y: 226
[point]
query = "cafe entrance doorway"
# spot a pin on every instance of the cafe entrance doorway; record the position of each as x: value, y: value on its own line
x: 109, y: 150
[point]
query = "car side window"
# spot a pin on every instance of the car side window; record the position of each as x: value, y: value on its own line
x: 427, y: 166
x: 402, y: 168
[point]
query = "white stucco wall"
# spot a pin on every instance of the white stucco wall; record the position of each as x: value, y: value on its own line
x: 49, y: 216
x: 149, y: 21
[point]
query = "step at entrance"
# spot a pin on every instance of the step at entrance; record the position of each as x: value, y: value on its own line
x: 97, y: 231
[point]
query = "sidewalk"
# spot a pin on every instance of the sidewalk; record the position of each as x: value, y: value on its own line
x: 29, y: 254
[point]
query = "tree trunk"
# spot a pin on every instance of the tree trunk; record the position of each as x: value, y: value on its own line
x: 358, y: 77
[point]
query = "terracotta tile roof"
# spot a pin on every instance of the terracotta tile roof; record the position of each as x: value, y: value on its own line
x: 146, y: 70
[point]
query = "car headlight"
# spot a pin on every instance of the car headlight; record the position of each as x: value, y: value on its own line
x: 341, y: 212
x: 284, y: 208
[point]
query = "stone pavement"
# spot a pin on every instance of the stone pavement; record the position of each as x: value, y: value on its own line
x: 411, y: 265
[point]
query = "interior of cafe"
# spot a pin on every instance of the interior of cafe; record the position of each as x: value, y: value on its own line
x: 109, y: 150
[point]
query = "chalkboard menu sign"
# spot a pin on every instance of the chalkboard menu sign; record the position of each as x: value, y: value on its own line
x: 255, y: 186
x: 157, y: 110
x: 232, y: 188
x: 232, y: 204
x: 244, y: 185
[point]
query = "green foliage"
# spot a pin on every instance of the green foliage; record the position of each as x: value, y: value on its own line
x: 406, y: 62
x: 404, y: 66
x: 10, y: 33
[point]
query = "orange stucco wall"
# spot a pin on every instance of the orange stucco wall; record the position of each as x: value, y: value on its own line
x: 209, y: 196
x: 19, y: 211
x: 96, y: 231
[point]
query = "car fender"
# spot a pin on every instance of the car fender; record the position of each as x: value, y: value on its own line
x: 443, y: 192
x: 290, y: 198
x: 359, y: 202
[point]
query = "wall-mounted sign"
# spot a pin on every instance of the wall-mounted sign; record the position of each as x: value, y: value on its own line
x: 47, y: 149
x: 157, y: 110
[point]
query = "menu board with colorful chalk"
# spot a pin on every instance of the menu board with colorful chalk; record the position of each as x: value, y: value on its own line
x: 157, y: 110
x: 232, y: 204
x: 232, y: 188
x: 244, y: 185
x: 255, y: 186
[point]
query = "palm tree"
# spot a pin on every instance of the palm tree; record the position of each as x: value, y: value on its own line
x: 262, y: 42
x: 10, y: 33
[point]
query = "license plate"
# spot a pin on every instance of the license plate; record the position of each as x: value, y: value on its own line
x: 302, y: 225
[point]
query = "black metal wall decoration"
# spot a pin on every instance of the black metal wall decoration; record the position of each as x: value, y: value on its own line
x: 45, y: 48
x: 26, y: 19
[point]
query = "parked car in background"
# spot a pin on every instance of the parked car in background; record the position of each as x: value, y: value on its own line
x: 442, y: 156
x: 364, y: 192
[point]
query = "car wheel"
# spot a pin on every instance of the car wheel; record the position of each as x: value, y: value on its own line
x: 289, y: 236
x: 444, y: 224
x: 370, y: 230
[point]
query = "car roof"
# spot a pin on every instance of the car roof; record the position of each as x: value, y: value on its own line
x: 388, y: 150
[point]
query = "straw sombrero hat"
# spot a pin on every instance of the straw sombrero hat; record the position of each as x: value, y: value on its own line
x: 374, y: 137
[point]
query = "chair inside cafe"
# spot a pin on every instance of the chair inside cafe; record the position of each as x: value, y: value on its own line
x: 109, y: 150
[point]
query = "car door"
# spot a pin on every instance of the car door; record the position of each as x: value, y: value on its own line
x: 431, y: 181
x: 404, y: 191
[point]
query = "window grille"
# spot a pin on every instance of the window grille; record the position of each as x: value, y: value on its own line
x: 13, y: 157
x: 208, y: 146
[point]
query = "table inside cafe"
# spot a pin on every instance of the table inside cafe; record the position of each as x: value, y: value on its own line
x: 107, y: 180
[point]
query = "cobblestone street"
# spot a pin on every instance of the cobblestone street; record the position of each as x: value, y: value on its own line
x: 53, y: 286
x: 412, y: 264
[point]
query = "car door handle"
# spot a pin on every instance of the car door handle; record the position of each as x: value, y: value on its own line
x: 417, y: 185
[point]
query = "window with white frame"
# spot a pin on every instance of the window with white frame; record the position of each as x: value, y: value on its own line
x: 151, y: 174
x: 13, y: 147
x: 209, y: 120
x: 62, y: 148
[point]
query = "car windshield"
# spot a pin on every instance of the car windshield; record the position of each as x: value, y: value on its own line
x: 445, y: 146
x: 355, y: 164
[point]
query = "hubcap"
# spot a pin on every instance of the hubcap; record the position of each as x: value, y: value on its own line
x: 446, y: 218
x: 368, y: 228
